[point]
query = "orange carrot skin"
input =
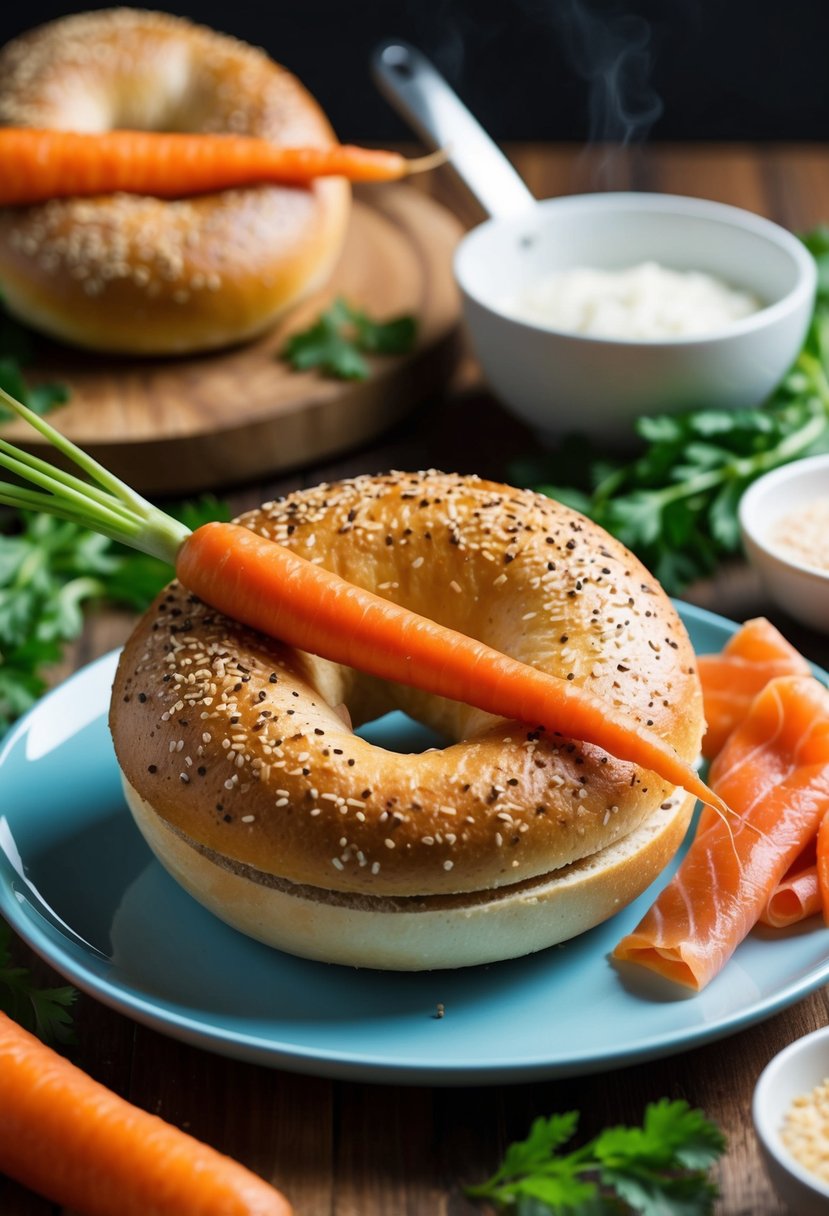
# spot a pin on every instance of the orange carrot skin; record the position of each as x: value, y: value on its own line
x: 774, y: 773
x: 80, y: 1145
x: 268, y: 587
x: 37, y: 165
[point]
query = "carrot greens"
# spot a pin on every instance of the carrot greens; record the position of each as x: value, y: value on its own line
x: 51, y: 568
x: 658, y: 1169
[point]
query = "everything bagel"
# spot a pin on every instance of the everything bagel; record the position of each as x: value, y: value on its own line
x: 138, y: 275
x: 242, y: 769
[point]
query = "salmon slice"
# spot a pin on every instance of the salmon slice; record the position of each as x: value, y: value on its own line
x: 751, y: 657
x: 774, y: 774
x: 797, y: 896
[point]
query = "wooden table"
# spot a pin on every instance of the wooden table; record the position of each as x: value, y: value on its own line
x: 355, y: 1149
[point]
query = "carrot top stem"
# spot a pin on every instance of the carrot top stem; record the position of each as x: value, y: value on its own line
x: 431, y: 160
x: 102, y: 503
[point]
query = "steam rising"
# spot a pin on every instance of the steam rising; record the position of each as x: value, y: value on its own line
x: 611, y: 53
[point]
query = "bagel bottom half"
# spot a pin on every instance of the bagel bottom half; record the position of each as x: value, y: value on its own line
x: 420, y: 933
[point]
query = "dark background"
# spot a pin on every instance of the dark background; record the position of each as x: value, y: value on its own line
x: 550, y: 69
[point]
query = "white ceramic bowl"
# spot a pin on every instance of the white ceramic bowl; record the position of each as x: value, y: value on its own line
x: 559, y: 382
x: 799, y: 588
x: 794, y: 1071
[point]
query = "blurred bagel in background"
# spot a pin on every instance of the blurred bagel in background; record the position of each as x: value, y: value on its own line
x: 138, y: 275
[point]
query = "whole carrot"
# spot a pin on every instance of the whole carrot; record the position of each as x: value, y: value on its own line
x: 270, y: 588
x: 37, y: 165
x: 260, y: 583
x: 76, y: 1142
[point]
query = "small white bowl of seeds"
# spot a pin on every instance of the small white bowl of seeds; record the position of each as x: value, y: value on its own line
x: 784, y: 519
x: 791, y: 1119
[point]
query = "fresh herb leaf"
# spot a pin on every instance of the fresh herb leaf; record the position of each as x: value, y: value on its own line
x: 44, y: 1011
x: 675, y: 504
x: 658, y: 1169
x: 338, y: 339
x: 395, y: 337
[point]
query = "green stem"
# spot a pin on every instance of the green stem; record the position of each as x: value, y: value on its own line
x: 103, y: 503
x: 746, y: 466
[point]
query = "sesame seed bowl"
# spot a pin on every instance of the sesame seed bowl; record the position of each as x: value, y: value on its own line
x: 784, y: 520
x: 791, y: 1116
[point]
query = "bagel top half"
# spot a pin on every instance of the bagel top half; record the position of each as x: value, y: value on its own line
x: 242, y: 744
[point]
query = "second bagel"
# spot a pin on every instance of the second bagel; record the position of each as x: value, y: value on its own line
x: 139, y: 275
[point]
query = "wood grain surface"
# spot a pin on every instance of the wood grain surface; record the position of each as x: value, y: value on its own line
x: 177, y: 425
x: 351, y: 1149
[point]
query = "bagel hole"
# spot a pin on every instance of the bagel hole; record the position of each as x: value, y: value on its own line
x: 397, y: 732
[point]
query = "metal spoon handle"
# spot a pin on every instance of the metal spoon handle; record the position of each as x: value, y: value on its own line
x: 423, y: 98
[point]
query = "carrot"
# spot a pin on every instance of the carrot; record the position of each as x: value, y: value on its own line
x: 272, y: 589
x: 263, y: 585
x: 73, y: 1140
x: 37, y: 165
x: 774, y: 773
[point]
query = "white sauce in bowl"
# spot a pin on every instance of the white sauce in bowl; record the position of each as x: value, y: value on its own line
x: 648, y: 302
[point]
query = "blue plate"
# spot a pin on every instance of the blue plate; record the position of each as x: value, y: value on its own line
x: 79, y: 885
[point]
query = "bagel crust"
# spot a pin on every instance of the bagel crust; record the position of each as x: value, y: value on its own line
x: 137, y: 275
x: 239, y: 744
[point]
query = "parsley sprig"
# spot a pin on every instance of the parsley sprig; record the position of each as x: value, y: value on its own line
x: 44, y: 1011
x: 337, y: 341
x: 658, y: 1169
x: 675, y: 504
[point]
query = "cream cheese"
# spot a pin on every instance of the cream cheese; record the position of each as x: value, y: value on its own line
x: 648, y: 302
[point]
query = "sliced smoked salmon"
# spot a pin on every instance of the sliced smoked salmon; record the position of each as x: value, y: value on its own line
x: 774, y: 773
x: 751, y: 657
x: 797, y: 896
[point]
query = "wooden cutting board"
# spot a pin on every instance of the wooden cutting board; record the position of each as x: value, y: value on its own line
x: 172, y: 426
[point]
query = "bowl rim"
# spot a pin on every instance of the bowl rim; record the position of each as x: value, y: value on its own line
x: 765, y: 484
x: 803, y: 290
x: 762, y: 1116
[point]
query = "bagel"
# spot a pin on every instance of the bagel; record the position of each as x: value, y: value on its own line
x: 135, y: 275
x: 243, y: 772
